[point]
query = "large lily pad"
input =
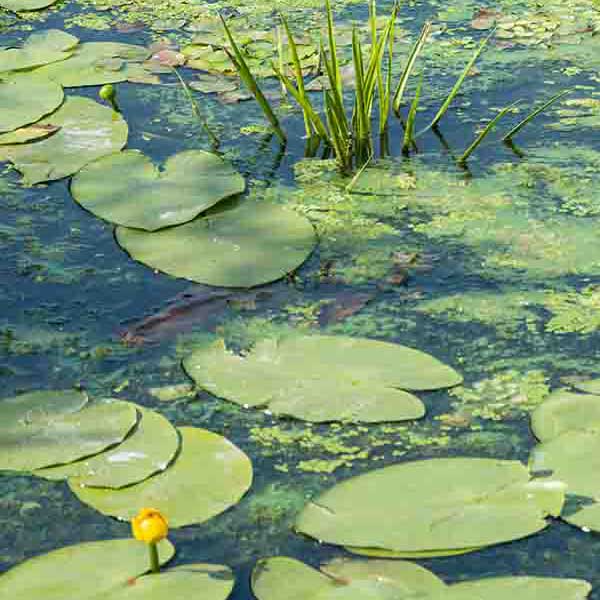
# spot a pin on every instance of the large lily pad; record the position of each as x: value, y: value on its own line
x: 40, y: 48
x: 36, y: 409
x: 209, y: 582
x: 127, y: 189
x: 565, y: 411
x: 247, y: 245
x: 84, y: 571
x: 21, y: 5
x: 210, y: 475
x: 88, y: 130
x: 63, y: 439
x: 147, y: 451
x: 283, y: 578
x: 24, y: 100
x: 96, y: 63
x: 322, y: 378
x: 434, y: 506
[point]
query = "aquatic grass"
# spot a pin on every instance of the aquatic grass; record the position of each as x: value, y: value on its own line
x: 410, y: 121
x: 238, y: 60
x: 508, y: 137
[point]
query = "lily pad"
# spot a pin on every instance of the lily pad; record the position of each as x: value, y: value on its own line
x: 36, y: 409
x: 210, y: 475
x: 96, y: 63
x: 84, y: 571
x: 19, y: 5
x: 88, y: 130
x: 322, y: 378
x: 40, y: 48
x: 208, y: 84
x: 245, y: 245
x: 521, y: 588
x: 66, y: 438
x: 27, y: 134
x: 433, y: 506
x: 565, y: 411
x: 24, y: 100
x: 209, y: 582
x: 283, y: 578
x: 147, y: 451
x: 127, y: 189
x: 591, y: 386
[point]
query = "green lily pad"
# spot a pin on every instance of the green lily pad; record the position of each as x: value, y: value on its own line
x: 322, y: 378
x: 573, y: 457
x: 433, y: 505
x: 209, y: 582
x: 37, y: 409
x: 379, y: 553
x: 27, y: 134
x: 66, y: 438
x: 88, y: 130
x: 19, y: 5
x: 84, y: 571
x: 591, y: 386
x: 24, y: 100
x: 210, y: 475
x: 40, y: 48
x: 586, y: 518
x: 147, y: 451
x: 127, y: 189
x: 283, y: 578
x: 208, y: 84
x: 244, y: 246
x: 96, y: 63
x: 521, y: 588
x: 565, y: 411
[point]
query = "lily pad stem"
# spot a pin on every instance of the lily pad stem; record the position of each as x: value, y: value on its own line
x: 154, y: 564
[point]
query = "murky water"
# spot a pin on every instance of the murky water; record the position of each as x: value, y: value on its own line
x: 505, y: 263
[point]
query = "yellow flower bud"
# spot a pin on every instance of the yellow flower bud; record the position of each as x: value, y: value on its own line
x: 149, y: 526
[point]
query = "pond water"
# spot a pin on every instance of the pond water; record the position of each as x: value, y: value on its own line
x: 493, y: 268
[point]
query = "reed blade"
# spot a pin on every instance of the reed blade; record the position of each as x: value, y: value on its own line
x: 410, y: 120
x: 237, y: 58
x: 410, y: 63
x: 534, y: 114
x: 454, y: 91
x: 483, y: 134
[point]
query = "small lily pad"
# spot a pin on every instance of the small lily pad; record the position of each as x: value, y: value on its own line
x: 565, y: 411
x: 27, y: 134
x: 25, y: 100
x: 208, y: 84
x: 283, y: 578
x: 65, y: 438
x: 147, y: 451
x: 322, y: 378
x: 88, y: 130
x: 127, y: 189
x: 209, y: 582
x: 40, y: 48
x: 433, y: 506
x: 85, y: 571
x: 245, y: 245
x: 210, y: 475
x: 96, y: 63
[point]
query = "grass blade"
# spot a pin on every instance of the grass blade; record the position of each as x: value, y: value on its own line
x: 214, y: 140
x: 483, y: 134
x: 248, y: 79
x: 412, y: 57
x: 532, y: 115
x: 410, y: 121
x: 454, y: 91
x: 335, y: 65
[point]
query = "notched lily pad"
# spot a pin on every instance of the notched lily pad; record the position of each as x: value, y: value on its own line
x: 433, y: 506
x: 127, y: 189
x: 210, y: 475
x: 29, y: 445
x: 88, y: 130
x: 147, y: 451
x: 40, y: 48
x: 244, y: 245
x: 322, y: 378
x: 85, y: 571
x: 25, y: 100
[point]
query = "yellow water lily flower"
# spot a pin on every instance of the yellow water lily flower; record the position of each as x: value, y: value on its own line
x: 149, y: 526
